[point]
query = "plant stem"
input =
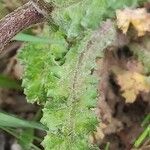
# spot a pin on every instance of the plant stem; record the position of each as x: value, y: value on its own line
x: 33, y: 12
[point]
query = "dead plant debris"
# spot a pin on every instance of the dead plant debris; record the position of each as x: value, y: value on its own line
x: 139, y: 18
x: 124, y: 99
x: 131, y: 83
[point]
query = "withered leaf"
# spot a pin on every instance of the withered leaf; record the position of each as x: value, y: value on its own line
x: 139, y: 18
x: 131, y: 83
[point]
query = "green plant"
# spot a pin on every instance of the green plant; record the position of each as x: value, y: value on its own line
x: 60, y: 75
x: 25, y: 136
x: 145, y: 134
x: 7, y: 120
x: 30, y: 38
x: 7, y: 82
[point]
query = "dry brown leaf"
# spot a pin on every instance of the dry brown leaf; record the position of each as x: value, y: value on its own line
x: 131, y: 84
x: 139, y: 18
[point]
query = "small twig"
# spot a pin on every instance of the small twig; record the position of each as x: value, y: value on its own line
x: 33, y: 12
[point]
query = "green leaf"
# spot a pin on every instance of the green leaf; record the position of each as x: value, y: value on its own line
x: 6, y: 82
x: 69, y: 88
x: 59, y: 75
x: 26, y: 138
x: 30, y: 38
x: 142, y: 137
x: 14, y: 122
x: 107, y: 146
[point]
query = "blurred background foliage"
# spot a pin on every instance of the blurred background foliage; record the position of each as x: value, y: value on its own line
x: 20, y: 128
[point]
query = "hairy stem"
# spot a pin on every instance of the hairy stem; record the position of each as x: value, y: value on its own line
x: 33, y: 12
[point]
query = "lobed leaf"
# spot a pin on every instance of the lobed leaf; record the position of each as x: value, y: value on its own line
x: 60, y: 75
